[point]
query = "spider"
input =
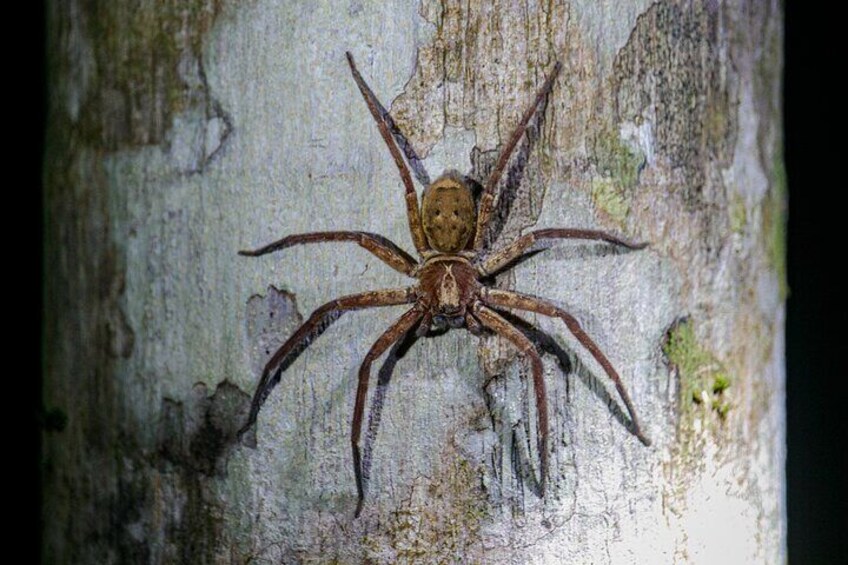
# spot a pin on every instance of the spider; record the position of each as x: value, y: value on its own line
x: 454, y: 265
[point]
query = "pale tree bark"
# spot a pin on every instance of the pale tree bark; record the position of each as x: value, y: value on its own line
x: 181, y: 132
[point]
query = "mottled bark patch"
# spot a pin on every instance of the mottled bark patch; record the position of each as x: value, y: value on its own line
x: 675, y: 72
x: 437, y: 520
x: 269, y: 320
x: 138, y: 77
x: 200, y: 432
x: 470, y: 76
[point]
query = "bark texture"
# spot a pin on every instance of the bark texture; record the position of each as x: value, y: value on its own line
x: 181, y: 132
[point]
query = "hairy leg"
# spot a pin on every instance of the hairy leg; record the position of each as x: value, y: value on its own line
x: 488, y: 197
x: 375, y: 413
x: 382, y: 248
x: 413, y: 213
x: 496, y: 323
x: 317, y: 323
x: 389, y: 337
x: 510, y: 299
x: 412, y: 157
x: 500, y: 258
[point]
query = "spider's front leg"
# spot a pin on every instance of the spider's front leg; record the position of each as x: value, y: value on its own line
x: 512, y: 299
x: 487, y: 199
x: 380, y: 117
x: 496, y: 323
x: 317, y: 323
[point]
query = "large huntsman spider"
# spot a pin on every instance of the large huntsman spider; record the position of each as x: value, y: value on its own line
x: 452, y: 269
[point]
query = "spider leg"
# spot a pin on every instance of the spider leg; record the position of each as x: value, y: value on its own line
x: 511, y: 299
x: 496, y: 323
x: 381, y: 247
x: 374, y: 106
x: 488, y: 197
x: 384, y: 376
x: 317, y: 323
x: 408, y: 151
x: 395, y: 332
x: 504, y: 256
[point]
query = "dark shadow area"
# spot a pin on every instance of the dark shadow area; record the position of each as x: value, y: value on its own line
x: 199, y: 433
x: 406, y: 148
x: 549, y: 345
x: 30, y: 86
x: 814, y: 151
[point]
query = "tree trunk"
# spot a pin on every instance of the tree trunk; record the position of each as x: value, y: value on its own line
x: 181, y: 132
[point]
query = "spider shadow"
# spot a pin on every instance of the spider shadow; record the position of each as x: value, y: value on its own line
x: 567, y: 364
x: 521, y: 452
x: 543, y: 341
x: 549, y: 345
x: 408, y: 151
x: 584, y: 250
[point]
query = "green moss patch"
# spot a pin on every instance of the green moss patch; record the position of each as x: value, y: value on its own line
x: 738, y: 215
x: 615, y: 160
x: 774, y: 222
x: 619, y: 168
x: 610, y: 199
x: 704, y: 382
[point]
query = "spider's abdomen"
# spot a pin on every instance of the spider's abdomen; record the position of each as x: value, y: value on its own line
x: 448, y: 215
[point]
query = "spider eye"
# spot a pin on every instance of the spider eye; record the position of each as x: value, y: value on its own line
x: 438, y: 212
x: 455, y: 213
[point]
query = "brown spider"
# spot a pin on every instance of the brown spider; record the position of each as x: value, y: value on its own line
x: 448, y: 233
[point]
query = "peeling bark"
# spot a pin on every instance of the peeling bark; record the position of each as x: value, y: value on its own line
x: 180, y: 133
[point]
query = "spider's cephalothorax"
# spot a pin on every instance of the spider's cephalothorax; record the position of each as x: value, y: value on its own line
x: 447, y: 290
x: 449, y: 235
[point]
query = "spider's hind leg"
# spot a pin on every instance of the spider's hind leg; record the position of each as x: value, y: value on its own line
x: 517, y: 300
x: 389, y: 337
x: 384, y: 377
x: 496, y: 323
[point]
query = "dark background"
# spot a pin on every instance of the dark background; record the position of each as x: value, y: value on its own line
x: 814, y: 110
x: 817, y: 407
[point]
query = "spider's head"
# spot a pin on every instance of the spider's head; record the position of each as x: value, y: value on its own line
x: 448, y: 214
